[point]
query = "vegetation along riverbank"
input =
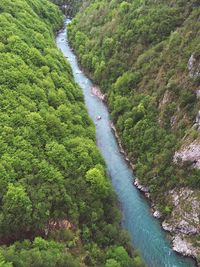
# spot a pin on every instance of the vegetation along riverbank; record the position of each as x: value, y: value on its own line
x: 145, y: 58
x: 57, y: 206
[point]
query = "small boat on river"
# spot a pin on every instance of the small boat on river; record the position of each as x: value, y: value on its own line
x: 98, y: 118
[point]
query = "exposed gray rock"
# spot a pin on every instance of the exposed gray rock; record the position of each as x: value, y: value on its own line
x: 186, y: 229
x: 157, y: 214
x: 97, y: 92
x: 197, y: 120
x: 165, y: 99
x: 184, y: 221
x: 167, y: 227
x: 184, y: 247
x: 173, y: 121
x: 140, y: 187
x: 185, y: 215
x: 147, y: 195
x: 198, y: 93
x: 189, y: 153
x: 191, y: 63
x: 194, y: 67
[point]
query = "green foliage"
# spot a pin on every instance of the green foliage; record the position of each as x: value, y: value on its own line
x: 40, y: 253
x: 112, y: 263
x: 138, y: 52
x: 50, y: 167
x: 118, y: 256
x: 137, y: 262
x: 3, y: 263
x: 17, y: 210
x: 98, y: 181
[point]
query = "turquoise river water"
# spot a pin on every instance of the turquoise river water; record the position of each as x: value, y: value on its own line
x: 145, y: 231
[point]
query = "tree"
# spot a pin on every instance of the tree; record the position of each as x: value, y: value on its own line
x: 98, y: 181
x: 17, y: 210
x: 112, y: 263
x: 3, y: 263
x: 120, y: 255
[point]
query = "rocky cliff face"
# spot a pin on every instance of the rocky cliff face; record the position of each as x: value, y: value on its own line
x: 194, y: 66
x: 189, y: 153
x: 184, y: 221
x: 185, y: 247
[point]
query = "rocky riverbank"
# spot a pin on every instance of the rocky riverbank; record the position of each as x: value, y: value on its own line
x: 96, y: 92
x: 121, y: 147
x: 183, y: 222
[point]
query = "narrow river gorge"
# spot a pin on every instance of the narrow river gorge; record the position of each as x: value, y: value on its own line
x: 145, y: 231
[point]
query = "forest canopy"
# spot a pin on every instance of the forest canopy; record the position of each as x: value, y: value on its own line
x: 56, y: 201
x: 138, y: 52
x: 145, y: 57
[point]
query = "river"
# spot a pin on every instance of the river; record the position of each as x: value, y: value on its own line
x: 145, y: 231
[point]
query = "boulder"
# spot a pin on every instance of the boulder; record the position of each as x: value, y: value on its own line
x: 184, y: 247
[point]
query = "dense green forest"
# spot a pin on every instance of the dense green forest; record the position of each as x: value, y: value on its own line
x: 145, y: 55
x: 128, y: 49
x: 57, y: 206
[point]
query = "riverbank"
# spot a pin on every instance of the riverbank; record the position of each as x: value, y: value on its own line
x: 179, y: 242
x: 145, y: 231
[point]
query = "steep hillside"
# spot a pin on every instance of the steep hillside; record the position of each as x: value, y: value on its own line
x: 145, y: 55
x: 69, y: 7
x: 57, y: 207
